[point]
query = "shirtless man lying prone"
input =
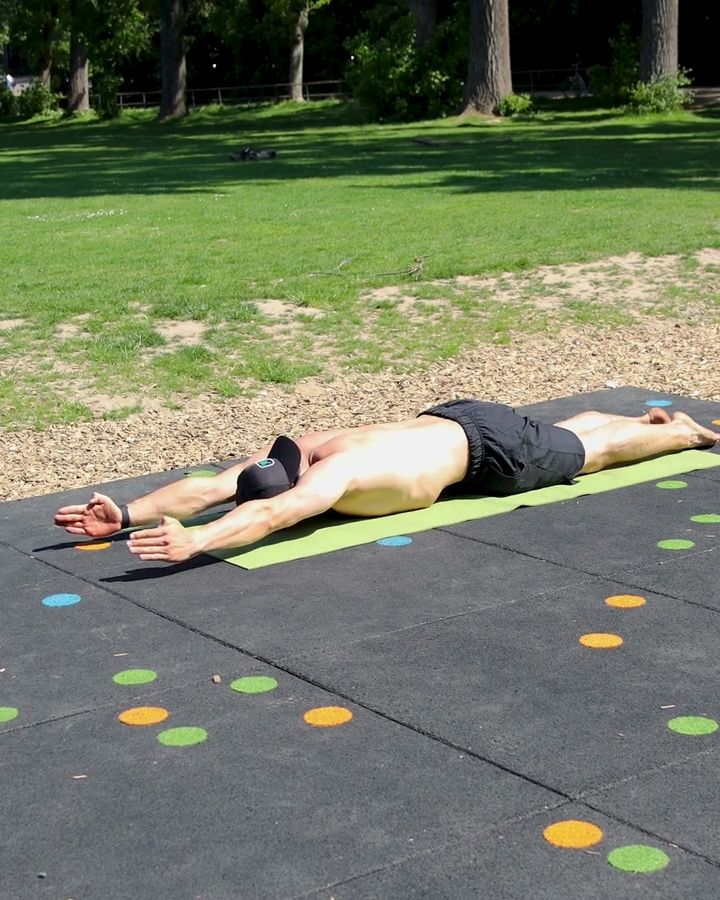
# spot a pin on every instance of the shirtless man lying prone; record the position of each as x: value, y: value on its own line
x: 466, y: 446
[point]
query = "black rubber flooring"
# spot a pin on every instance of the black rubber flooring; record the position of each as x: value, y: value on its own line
x: 427, y: 720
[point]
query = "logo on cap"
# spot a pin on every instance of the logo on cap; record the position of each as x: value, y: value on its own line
x: 265, y: 463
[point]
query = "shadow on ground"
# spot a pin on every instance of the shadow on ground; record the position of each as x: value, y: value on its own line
x: 587, y: 150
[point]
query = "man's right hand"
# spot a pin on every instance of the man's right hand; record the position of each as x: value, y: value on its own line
x: 98, y: 518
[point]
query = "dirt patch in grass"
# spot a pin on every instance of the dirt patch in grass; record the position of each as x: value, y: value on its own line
x: 181, y: 333
x: 671, y: 344
x: 410, y: 306
x: 636, y: 282
x: 281, y: 309
x: 73, y: 328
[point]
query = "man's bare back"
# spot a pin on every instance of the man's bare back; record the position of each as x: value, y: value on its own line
x: 397, y: 466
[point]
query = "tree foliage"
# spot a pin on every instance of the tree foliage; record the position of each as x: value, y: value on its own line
x: 667, y: 93
x: 8, y: 11
x: 40, y: 30
x: 76, y: 40
x: 395, y: 77
x: 404, y: 58
x: 613, y: 84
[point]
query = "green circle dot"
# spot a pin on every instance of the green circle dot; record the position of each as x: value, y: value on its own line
x: 8, y: 713
x: 671, y: 485
x: 675, y: 544
x: 254, y: 684
x: 135, y: 676
x: 184, y: 736
x: 201, y: 473
x: 706, y: 519
x: 638, y: 858
x: 693, y: 725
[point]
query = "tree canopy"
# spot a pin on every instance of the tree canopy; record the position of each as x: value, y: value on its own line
x: 414, y: 57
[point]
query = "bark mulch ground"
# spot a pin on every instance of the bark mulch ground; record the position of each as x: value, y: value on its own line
x: 656, y: 354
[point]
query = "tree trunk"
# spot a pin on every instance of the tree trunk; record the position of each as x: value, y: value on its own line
x: 78, y: 98
x: 172, y: 52
x: 659, y: 54
x: 425, y: 16
x: 297, y: 53
x: 488, y: 79
x: 49, y: 40
x: 45, y: 75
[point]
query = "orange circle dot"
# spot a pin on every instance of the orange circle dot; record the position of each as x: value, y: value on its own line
x: 143, y: 715
x: 327, y: 716
x: 716, y: 421
x: 94, y: 545
x: 573, y: 834
x: 600, y: 641
x: 625, y: 601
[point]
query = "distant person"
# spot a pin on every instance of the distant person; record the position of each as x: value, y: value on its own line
x: 467, y: 446
x: 10, y: 82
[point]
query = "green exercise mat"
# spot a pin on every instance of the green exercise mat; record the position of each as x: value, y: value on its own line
x: 333, y: 532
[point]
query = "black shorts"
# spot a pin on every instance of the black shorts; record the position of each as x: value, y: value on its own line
x: 510, y: 453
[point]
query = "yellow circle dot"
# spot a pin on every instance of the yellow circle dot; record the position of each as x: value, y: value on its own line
x: 327, y: 716
x: 94, y: 545
x: 625, y: 601
x: 573, y: 833
x: 716, y: 421
x: 143, y: 715
x: 599, y: 641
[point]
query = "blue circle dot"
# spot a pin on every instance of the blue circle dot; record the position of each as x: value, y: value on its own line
x: 397, y: 541
x: 61, y: 599
x: 658, y: 403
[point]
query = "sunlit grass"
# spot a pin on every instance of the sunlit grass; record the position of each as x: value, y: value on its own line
x: 116, y: 228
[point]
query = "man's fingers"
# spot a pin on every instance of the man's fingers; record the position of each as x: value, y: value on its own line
x: 71, y: 510
x: 149, y: 551
x: 148, y: 534
x: 72, y: 523
x: 142, y: 545
x: 61, y: 518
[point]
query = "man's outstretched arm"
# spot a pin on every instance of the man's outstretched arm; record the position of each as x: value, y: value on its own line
x: 322, y: 485
x: 101, y: 516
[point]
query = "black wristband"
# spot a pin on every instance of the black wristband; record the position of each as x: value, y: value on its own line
x: 124, y: 517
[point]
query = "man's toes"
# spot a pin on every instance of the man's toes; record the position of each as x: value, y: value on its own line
x: 658, y: 416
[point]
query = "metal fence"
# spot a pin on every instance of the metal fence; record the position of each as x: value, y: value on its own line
x: 571, y: 82
x: 234, y: 96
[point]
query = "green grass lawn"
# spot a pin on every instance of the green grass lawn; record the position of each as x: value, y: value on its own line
x: 112, y: 231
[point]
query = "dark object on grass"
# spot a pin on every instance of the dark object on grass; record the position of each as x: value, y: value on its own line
x: 252, y: 153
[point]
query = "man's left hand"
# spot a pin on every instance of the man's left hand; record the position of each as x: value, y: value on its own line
x: 169, y: 541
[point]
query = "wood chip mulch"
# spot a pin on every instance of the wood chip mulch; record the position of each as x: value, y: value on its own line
x: 655, y: 355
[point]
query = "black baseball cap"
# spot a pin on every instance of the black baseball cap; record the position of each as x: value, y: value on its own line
x: 277, y: 473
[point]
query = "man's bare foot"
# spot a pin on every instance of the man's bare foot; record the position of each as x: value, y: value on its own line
x: 699, y: 435
x: 656, y: 416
